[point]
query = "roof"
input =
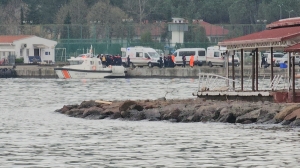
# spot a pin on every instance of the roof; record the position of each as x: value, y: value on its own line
x: 213, y: 30
x: 11, y: 39
x: 293, y: 48
x: 284, y: 23
x: 270, y: 35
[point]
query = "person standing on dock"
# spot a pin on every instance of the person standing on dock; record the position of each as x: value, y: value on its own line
x: 161, y: 61
x: 173, y: 60
x: 165, y: 62
x: 192, y: 61
x: 183, y: 61
x: 128, y: 61
x: 103, y: 59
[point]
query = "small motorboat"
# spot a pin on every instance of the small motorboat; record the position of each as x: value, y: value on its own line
x: 87, y: 66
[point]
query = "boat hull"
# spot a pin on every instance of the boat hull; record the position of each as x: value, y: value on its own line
x: 65, y: 73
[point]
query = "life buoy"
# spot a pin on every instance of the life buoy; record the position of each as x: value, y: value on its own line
x: 94, y: 67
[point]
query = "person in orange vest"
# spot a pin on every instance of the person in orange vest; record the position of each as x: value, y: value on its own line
x: 192, y: 61
x: 173, y: 60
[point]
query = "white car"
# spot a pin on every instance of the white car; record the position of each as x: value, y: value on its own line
x: 284, y: 59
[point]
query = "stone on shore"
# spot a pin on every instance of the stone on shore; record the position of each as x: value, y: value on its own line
x: 188, y: 110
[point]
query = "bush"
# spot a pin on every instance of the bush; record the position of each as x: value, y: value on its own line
x: 19, y: 60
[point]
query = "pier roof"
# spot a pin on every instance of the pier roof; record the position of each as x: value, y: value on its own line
x: 280, y: 34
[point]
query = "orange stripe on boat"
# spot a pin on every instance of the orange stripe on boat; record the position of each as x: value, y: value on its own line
x: 66, y: 74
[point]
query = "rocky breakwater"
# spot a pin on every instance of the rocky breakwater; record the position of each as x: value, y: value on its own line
x: 8, y: 73
x: 188, y: 110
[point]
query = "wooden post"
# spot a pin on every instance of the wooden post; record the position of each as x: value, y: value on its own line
x: 242, y: 69
x: 289, y: 66
x: 293, y: 83
x: 233, y: 74
x: 253, y: 70
x: 272, y: 72
x: 256, y: 69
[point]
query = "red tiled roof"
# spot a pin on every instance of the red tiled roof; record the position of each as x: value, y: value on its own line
x: 270, y: 35
x: 293, y: 48
x: 213, y: 30
x: 285, y: 23
x: 11, y: 39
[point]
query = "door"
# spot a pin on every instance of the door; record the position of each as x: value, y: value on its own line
x: 37, y: 52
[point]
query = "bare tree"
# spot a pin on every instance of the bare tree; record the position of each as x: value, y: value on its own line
x: 10, y: 17
x: 140, y: 9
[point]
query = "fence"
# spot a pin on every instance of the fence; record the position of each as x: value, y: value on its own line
x: 110, y: 38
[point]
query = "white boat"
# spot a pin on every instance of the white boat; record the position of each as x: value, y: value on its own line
x: 87, y: 66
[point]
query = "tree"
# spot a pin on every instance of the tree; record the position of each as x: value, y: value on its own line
x: 33, y: 12
x: 146, y: 38
x: 67, y: 28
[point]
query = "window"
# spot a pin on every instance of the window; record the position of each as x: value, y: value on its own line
x: 216, y: 54
x: 139, y: 54
x: 47, y: 53
x: 201, y: 53
x: 92, y: 62
x: 175, y: 54
x: 186, y: 53
x: 146, y: 56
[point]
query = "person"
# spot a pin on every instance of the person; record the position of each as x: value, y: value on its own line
x: 183, y: 61
x: 128, y: 61
x: 173, y: 60
x: 165, y: 62
x: 160, y: 61
x: 103, y: 59
x: 192, y: 61
x: 263, y: 61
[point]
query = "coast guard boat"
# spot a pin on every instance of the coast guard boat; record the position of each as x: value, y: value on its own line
x: 87, y: 66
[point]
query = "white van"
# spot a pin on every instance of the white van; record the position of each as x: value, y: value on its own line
x: 215, y: 56
x: 199, y: 55
x: 140, y: 56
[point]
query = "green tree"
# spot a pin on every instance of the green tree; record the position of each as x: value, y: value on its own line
x: 67, y: 30
x: 146, y: 38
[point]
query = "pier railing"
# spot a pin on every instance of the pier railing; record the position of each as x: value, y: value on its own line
x: 212, y: 82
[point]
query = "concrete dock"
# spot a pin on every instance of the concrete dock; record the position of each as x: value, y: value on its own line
x: 36, y: 71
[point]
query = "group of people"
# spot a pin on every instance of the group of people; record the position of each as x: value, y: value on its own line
x: 109, y: 60
x: 169, y: 61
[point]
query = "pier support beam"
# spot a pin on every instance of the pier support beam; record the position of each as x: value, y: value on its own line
x: 233, y: 72
x: 253, y: 70
x: 293, y: 82
x: 272, y: 65
x: 242, y: 69
x: 256, y: 69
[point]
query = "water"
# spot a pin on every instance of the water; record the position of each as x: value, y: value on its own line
x: 32, y: 135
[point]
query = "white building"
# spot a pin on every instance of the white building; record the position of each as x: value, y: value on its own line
x: 178, y: 26
x: 28, y: 47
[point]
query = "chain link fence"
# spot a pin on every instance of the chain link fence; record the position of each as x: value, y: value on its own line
x: 76, y: 39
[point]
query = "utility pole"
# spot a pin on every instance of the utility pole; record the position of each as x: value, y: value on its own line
x: 280, y: 10
x: 290, y: 13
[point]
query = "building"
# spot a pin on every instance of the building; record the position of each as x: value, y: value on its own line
x: 214, y: 33
x: 29, y: 47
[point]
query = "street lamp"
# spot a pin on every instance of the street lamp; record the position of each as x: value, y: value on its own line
x: 290, y: 12
x: 280, y: 10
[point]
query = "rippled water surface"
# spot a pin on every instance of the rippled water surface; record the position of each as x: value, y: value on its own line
x: 32, y: 135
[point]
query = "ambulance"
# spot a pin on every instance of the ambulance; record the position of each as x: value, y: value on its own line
x: 140, y: 56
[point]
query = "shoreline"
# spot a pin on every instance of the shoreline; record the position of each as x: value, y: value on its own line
x: 187, y: 110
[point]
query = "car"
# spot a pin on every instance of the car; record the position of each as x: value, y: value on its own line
x: 284, y: 59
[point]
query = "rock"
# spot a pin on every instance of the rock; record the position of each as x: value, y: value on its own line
x: 227, y: 118
x: 130, y: 105
x: 110, y: 110
x: 136, y: 115
x: 251, y: 116
x: 208, y: 113
x: 152, y: 114
x: 92, y: 111
x: 75, y: 112
x: 296, y: 122
x: 241, y: 108
x: 87, y: 104
x: 162, y: 99
x: 171, y: 111
x: 116, y: 115
x: 267, y: 113
x: 247, y: 122
x: 286, y: 111
x: 285, y: 122
x: 293, y: 116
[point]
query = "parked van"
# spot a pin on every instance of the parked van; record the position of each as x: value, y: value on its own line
x: 277, y: 57
x: 199, y: 55
x: 140, y: 56
x: 215, y: 56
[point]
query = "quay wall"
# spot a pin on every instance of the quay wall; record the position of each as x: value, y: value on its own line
x: 36, y: 71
